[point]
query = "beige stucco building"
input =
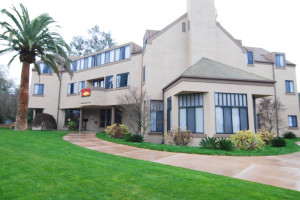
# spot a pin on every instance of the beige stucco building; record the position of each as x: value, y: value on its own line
x: 196, y: 74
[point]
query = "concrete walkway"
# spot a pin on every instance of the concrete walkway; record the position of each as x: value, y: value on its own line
x: 281, y: 171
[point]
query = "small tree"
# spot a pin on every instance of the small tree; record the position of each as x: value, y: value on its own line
x: 270, y: 114
x: 135, y: 104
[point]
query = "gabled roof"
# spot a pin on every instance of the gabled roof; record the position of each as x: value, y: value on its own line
x: 206, y: 68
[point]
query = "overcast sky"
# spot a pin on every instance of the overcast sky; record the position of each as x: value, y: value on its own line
x: 270, y: 24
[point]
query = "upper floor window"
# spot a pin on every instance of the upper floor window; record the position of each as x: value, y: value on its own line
x: 293, y: 121
x: 38, y: 89
x: 156, y: 116
x: 289, y: 86
x: 191, y: 115
x: 74, y: 66
x: 231, y: 112
x: 109, y: 82
x: 123, y: 80
x: 72, y: 88
x: 99, y: 83
x: 250, y: 57
x: 81, y: 86
x: 279, y: 60
x: 45, y: 69
x: 107, y: 57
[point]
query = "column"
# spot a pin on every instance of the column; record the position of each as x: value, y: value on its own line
x: 80, y: 119
x: 112, y: 115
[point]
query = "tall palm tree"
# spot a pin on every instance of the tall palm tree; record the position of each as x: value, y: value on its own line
x: 32, y: 40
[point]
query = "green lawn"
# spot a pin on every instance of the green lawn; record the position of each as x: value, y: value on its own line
x: 291, y: 147
x: 41, y: 165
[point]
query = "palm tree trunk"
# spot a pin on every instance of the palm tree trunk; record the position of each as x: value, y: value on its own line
x: 21, y: 123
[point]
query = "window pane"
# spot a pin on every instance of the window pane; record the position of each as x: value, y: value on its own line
x: 245, y: 100
x: 98, y: 60
x: 244, y: 118
x: 90, y: 62
x: 199, y: 120
x: 219, y: 120
x: 184, y: 101
x: 250, y: 57
x: 188, y: 100
x: 153, y: 121
x: 122, y: 53
x: 235, y: 120
x: 220, y: 99
x: 86, y: 62
x: 292, y: 87
x: 95, y: 83
x: 237, y: 100
x: 127, y: 51
x: 159, y: 121
x: 180, y: 101
x: 201, y: 99
x: 295, y: 124
x: 290, y: 121
x: 241, y: 100
x: 182, y: 118
x: 224, y: 100
x: 107, y: 59
x: 112, y: 56
x: 228, y: 100
x: 82, y: 64
x: 191, y: 120
x: 102, y: 58
x: 216, y: 99
x: 117, y: 54
x: 228, y: 120
x: 197, y: 100
x: 192, y: 100
x: 232, y: 100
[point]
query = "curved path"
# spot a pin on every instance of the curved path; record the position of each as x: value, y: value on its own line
x: 281, y: 171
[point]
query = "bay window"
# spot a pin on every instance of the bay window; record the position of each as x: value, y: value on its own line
x: 231, y: 113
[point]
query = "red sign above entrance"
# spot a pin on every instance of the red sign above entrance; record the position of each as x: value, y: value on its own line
x: 86, y: 92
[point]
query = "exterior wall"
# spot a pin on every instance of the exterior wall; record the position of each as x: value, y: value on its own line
x: 165, y: 59
x: 49, y: 100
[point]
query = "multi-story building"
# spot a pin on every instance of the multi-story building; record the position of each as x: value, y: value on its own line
x: 196, y: 74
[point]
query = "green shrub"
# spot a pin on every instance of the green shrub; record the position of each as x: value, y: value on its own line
x: 247, y: 140
x: 178, y: 136
x: 278, y: 142
x: 225, y: 144
x: 127, y: 137
x: 289, y: 135
x: 117, y: 131
x: 137, y: 138
x: 266, y: 136
x: 209, y: 143
x: 73, y: 126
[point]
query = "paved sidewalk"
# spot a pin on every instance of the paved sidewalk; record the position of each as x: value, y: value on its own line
x: 281, y: 171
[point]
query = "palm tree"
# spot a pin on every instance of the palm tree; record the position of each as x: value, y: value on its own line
x: 31, y: 40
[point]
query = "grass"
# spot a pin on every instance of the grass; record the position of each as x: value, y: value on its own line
x: 41, y: 165
x: 291, y: 147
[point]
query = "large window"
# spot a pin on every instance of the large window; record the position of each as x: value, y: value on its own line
x: 81, y: 86
x: 71, y: 88
x: 280, y: 60
x: 191, y: 114
x: 123, y: 80
x: 74, y: 66
x: 105, y: 117
x: 156, y: 118
x: 109, y: 82
x: 38, y: 89
x: 231, y: 112
x: 293, y: 121
x: 72, y: 115
x: 45, y: 69
x: 289, y: 86
x: 250, y: 57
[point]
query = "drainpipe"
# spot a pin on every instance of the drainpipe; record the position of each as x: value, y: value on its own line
x: 58, y: 105
x: 275, y: 94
